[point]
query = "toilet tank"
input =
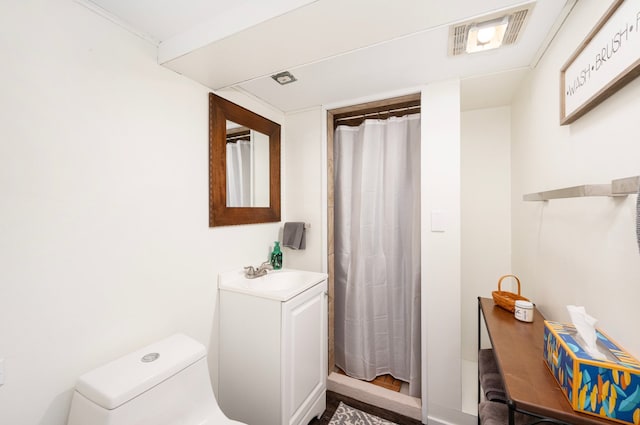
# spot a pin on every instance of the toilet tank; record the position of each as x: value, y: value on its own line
x: 165, y: 383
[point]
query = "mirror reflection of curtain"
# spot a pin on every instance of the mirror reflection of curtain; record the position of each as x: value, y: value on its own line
x: 239, y: 174
x: 377, y: 249
x: 261, y: 181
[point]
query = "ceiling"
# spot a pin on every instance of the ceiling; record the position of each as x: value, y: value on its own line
x: 338, y: 50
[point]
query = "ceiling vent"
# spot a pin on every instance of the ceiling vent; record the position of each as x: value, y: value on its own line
x: 517, y: 18
x: 284, y: 77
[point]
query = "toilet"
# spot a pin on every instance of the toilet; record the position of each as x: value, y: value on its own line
x: 165, y: 383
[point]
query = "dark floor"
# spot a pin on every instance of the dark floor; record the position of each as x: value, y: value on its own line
x: 333, y: 399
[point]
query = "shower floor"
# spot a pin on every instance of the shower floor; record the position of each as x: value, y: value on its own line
x: 398, y: 402
x: 384, y: 381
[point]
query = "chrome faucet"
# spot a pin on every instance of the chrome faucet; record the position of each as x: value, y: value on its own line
x: 251, y: 273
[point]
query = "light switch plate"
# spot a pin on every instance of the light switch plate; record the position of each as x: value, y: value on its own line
x: 1, y: 372
x: 438, y: 221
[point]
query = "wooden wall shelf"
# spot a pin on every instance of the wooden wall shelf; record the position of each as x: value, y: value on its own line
x: 619, y: 187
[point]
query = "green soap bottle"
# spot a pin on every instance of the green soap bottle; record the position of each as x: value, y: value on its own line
x: 276, y: 256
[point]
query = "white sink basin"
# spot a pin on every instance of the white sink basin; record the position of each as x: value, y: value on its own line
x: 280, y: 285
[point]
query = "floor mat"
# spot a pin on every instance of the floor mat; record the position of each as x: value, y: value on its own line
x: 347, y: 415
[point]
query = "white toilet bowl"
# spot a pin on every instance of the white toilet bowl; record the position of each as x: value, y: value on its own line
x: 165, y: 383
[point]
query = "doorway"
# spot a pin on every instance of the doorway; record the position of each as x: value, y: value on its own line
x: 354, y: 116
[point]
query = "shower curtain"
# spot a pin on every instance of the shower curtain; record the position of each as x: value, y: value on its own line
x: 239, y: 174
x: 377, y: 249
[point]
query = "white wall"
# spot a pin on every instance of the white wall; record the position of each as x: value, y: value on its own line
x: 583, y: 250
x: 105, y: 241
x: 486, y: 213
x: 303, y: 171
x: 440, y: 251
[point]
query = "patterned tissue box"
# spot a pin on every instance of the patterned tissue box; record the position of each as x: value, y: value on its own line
x: 605, y: 388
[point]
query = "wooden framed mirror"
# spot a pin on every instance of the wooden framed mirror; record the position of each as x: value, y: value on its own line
x: 244, y: 165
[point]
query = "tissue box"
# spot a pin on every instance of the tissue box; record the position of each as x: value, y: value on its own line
x: 608, y: 389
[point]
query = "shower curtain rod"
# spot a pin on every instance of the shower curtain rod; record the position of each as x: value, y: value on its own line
x: 378, y: 113
x: 234, y: 139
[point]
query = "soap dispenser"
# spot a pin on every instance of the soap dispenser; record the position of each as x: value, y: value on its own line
x: 276, y: 256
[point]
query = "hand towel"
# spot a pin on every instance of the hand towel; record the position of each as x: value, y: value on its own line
x: 493, y: 387
x: 493, y: 413
x: 293, y: 235
x: 487, y: 361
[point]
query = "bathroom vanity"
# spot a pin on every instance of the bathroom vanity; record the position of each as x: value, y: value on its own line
x: 273, y: 347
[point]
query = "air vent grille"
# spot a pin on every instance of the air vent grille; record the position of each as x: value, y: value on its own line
x: 459, y: 37
x: 517, y: 21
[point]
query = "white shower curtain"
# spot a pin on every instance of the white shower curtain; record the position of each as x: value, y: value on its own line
x: 377, y: 249
x: 239, y: 174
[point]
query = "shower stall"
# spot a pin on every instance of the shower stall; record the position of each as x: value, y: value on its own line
x: 374, y: 155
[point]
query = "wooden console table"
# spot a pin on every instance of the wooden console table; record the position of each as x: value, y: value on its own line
x: 530, y: 387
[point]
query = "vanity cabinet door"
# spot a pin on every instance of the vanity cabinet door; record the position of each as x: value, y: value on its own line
x: 304, y: 353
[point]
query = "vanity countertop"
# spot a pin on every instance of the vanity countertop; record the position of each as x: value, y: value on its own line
x: 279, y: 285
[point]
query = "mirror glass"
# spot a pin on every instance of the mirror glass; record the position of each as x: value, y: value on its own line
x: 244, y: 165
x: 247, y: 166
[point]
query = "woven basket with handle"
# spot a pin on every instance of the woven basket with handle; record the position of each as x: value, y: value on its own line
x: 506, y: 299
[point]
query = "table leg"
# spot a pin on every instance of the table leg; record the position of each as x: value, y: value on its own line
x: 478, y: 361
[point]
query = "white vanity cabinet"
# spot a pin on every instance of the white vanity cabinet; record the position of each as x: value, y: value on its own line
x: 273, y: 349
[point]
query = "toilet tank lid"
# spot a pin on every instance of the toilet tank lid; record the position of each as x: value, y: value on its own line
x: 119, y: 381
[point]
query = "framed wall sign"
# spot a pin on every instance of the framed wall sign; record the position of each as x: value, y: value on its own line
x: 607, y: 59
